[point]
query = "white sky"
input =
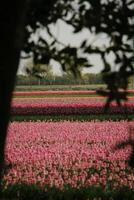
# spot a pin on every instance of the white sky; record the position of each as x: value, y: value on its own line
x: 64, y: 33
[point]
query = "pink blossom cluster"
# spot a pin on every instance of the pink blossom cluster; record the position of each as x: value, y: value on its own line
x: 67, y: 108
x: 68, y: 153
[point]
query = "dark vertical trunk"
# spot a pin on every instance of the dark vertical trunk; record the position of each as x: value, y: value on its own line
x: 11, y: 31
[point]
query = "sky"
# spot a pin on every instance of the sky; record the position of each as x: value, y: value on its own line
x: 64, y: 33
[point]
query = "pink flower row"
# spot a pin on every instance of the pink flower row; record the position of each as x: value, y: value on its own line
x: 58, y: 92
x: 38, y: 108
x: 69, y: 153
x: 55, y: 92
x: 63, y: 99
x: 57, y: 99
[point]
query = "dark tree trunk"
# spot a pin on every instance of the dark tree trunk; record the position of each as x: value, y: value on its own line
x: 11, y: 34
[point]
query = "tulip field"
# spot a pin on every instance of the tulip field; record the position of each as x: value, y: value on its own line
x: 69, y: 153
x: 68, y: 159
x: 84, y: 102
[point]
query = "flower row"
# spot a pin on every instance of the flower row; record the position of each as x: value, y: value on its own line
x: 69, y: 153
x: 59, y: 92
x: 79, y: 108
x: 54, y: 92
x: 63, y: 99
x: 58, y: 99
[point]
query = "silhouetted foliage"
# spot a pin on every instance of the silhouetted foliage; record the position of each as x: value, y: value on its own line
x: 112, y: 18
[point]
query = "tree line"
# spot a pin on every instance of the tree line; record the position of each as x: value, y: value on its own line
x: 66, y: 79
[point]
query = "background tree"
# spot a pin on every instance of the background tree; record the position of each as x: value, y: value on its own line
x: 39, y: 71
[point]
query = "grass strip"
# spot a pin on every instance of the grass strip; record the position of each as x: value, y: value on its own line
x: 82, y: 118
x: 60, y: 95
x: 54, y: 95
x: 58, y: 87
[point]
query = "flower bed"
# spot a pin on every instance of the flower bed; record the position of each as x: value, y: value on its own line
x: 69, y: 154
x: 54, y: 92
x: 71, y: 92
x: 63, y: 99
x: 58, y: 99
x: 68, y: 108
